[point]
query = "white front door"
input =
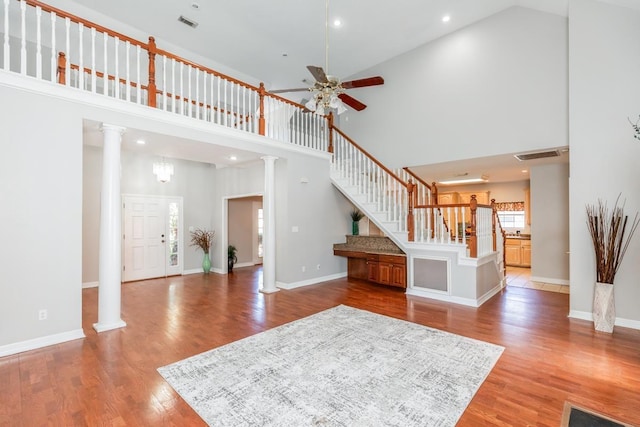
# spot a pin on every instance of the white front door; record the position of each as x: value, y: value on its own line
x: 151, y: 230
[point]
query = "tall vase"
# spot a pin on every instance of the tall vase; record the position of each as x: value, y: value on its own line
x: 355, y: 228
x: 604, y: 309
x: 206, y: 263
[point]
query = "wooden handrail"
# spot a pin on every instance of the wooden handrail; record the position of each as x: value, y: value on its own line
x: 84, y: 22
x: 416, y: 177
x: 452, y: 205
x: 111, y: 77
x: 373, y: 159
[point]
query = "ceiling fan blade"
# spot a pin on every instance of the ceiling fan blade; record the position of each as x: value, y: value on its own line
x: 370, y: 81
x: 299, y: 89
x: 304, y: 101
x: 318, y: 73
x: 352, y: 102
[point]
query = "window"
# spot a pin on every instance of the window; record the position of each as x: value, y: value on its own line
x: 511, y: 219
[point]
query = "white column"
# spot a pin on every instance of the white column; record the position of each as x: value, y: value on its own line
x: 110, y: 263
x: 269, y: 236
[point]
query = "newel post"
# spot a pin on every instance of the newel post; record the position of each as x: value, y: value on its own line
x: 434, y: 201
x: 493, y: 223
x: 62, y: 68
x: 261, y: 122
x: 151, y: 91
x: 330, y: 130
x: 411, y: 234
x: 473, y: 239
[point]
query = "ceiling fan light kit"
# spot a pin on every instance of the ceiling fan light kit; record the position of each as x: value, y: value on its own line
x: 328, y: 91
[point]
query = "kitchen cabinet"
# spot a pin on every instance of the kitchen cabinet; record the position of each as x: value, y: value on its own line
x: 388, y: 269
x: 482, y: 197
x: 518, y: 252
x: 448, y: 198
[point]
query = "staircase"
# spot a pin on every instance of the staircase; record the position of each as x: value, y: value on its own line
x: 465, y: 269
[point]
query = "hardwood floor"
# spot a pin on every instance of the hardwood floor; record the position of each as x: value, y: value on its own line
x: 111, y: 379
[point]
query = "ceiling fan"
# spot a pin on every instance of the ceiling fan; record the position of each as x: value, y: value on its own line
x: 328, y: 92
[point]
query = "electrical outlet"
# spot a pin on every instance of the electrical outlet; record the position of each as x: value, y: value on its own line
x: 42, y: 315
x: 304, y: 268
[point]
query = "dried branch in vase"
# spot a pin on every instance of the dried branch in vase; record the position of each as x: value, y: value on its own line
x: 202, y: 238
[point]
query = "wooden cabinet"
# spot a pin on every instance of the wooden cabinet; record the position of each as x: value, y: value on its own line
x: 482, y: 197
x: 388, y: 269
x: 518, y: 252
x: 448, y: 198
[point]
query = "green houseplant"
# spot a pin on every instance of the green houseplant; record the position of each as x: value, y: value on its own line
x: 231, y: 257
x: 356, y: 216
x: 203, y: 239
x: 610, y: 233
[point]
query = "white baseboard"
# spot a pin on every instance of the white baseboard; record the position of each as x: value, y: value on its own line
x: 90, y: 285
x: 442, y: 296
x: 585, y: 315
x: 19, y: 347
x: 199, y: 271
x: 313, y: 281
x: 243, y: 264
x: 550, y: 280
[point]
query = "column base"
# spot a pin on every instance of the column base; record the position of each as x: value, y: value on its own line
x: 102, y: 327
x: 269, y: 291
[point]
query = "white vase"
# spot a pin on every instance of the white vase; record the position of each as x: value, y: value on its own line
x: 604, y: 309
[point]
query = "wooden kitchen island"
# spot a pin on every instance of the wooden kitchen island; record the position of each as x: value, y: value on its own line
x: 374, y: 258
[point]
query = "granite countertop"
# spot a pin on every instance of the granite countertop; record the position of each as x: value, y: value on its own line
x: 352, y: 248
x: 520, y: 237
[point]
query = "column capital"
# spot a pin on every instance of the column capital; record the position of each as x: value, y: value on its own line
x: 269, y: 158
x: 109, y: 127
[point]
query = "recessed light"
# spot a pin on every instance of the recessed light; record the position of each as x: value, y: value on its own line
x: 446, y: 18
x: 141, y: 142
x: 337, y: 23
x: 233, y: 158
x: 524, y: 171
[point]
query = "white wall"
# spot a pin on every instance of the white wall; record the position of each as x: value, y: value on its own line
x: 604, y: 92
x: 498, y: 86
x: 41, y: 217
x: 550, y: 223
x: 190, y: 181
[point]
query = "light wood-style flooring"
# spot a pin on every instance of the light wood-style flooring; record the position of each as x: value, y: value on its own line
x: 521, y: 277
x: 110, y: 379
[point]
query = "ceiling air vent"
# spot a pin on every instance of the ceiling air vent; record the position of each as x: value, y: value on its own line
x: 538, y: 155
x: 188, y: 21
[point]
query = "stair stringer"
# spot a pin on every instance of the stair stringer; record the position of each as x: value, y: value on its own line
x: 469, y: 281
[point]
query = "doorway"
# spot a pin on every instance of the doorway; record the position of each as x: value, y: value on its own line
x: 244, y: 229
x: 151, y: 237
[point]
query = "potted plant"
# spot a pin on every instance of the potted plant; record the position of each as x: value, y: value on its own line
x: 203, y: 239
x: 356, y: 216
x: 231, y: 257
x: 611, y: 234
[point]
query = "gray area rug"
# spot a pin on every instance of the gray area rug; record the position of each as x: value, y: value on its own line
x: 339, y: 367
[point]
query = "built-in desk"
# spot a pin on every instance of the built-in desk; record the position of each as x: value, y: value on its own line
x: 374, y: 258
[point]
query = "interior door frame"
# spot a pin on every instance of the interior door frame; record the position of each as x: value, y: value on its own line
x: 181, y: 238
x: 225, y: 221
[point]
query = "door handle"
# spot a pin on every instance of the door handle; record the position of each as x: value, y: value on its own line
x: 162, y: 241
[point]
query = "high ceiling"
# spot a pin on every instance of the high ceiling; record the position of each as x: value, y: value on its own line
x: 253, y: 37
x: 273, y: 41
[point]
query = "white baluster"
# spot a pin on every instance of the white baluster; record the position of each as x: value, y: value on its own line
x: 138, y: 80
x: 54, y: 59
x: 189, y: 98
x: 127, y: 72
x: 204, y: 95
x: 181, y: 65
x: 6, y: 48
x: 93, y: 60
x: 80, y: 56
x: 23, y: 37
x: 211, y: 110
x: 67, y: 24
x: 105, y: 76
x: 174, y: 95
x: 226, y: 112
x: 116, y: 75
x: 38, y: 42
x: 165, y: 86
